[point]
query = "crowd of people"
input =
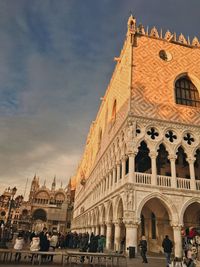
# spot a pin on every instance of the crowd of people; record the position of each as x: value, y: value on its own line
x: 49, y: 241
x: 191, y: 243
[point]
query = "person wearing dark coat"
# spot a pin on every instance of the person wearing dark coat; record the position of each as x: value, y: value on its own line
x: 44, y: 242
x: 93, y: 245
x: 167, y: 246
x: 83, y: 245
x: 143, y: 249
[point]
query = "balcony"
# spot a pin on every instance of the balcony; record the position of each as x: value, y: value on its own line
x: 166, y: 181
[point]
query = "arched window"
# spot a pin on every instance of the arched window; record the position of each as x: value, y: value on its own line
x: 182, y: 165
x: 114, y: 111
x: 99, y: 138
x: 186, y: 92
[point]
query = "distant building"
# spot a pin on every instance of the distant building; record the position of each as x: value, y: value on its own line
x: 48, y: 207
x: 140, y: 170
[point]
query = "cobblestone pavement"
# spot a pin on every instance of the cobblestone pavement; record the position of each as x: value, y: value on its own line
x: 136, y: 262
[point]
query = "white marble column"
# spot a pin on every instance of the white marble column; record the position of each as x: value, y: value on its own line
x: 102, y: 229
x: 108, y: 235
x: 191, y: 161
x: 172, y: 159
x: 97, y: 230
x: 131, y: 235
x: 153, y: 156
x: 93, y: 229
x: 108, y: 181
x: 118, y: 171
x: 111, y: 178
x: 123, y: 166
x: 117, y: 236
x: 131, y: 172
x: 178, y: 252
x: 114, y: 175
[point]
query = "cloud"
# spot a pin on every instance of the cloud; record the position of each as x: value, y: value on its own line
x: 56, y: 59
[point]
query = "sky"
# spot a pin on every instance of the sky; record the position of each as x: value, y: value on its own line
x: 56, y: 59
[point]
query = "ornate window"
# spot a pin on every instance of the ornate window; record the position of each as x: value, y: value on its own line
x: 186, y: 93
x: 114, y: 111
x: 99, y: 138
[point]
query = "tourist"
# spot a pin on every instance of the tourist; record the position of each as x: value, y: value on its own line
x: 167, y: 246
x: 53, y: 243
x: 143, y: 249
x: 35, y: 245
x: 19, y: 243
x: 101, y: 243
x: 44, y: 242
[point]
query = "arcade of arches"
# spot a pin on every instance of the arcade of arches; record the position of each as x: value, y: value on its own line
x: 156, y: 218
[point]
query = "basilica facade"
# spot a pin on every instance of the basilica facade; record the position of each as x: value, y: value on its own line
x: 140, y: 170
x: 51, y: 207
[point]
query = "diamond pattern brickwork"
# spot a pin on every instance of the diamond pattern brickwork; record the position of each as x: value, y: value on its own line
x: 153, y: 80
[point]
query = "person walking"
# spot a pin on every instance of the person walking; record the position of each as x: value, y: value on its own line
x: 143, y: 249
x: 167, y: 247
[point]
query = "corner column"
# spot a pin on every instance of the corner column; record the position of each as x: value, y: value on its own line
x: 131, y: 171
x: 131, y: 235
x: 177, y: 241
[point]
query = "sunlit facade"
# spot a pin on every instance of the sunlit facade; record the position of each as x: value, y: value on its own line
x: 140, y: 171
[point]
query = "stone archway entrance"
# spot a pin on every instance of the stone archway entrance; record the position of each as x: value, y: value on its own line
x: 155, y: 224
x: 39, y: 219
x: 191, y: 217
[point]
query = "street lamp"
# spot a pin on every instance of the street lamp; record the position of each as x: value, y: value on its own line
x: 6, y: 226
x: 3, y: 240
x: 13, y: 192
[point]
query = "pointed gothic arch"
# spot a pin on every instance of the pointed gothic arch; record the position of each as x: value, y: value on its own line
x: 182, y: 165
x: 142, y: 159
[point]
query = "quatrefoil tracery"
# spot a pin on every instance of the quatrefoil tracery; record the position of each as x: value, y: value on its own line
x: 170, y: 136
x: 188, y: 138
x: 153, y: 133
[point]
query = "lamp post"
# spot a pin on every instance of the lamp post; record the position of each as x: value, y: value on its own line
x: 6, y: 226
x: 13, y: 192
x: 3, y: 241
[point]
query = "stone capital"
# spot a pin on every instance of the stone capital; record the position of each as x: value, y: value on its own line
x: 108, y: 224
x: 131, y: 224
x: 191, y: 160
x: 153, y: 154
x: 172, y: 157
x: 176, y: 226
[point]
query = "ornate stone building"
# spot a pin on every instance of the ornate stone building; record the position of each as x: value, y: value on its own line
x: 140, y: 171
x: 45, y: 207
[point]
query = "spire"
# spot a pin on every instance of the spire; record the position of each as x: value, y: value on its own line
x: 131, y: 25
x: 53, y: 186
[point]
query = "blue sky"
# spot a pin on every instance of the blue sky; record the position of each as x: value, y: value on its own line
x: 56, y: 59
